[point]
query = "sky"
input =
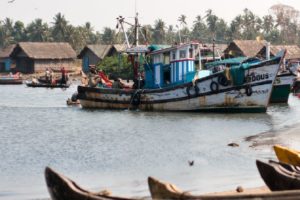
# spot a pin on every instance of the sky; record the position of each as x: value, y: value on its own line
x: 103, y: 13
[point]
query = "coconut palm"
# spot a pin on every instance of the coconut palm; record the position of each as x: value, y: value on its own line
x: 38, y: 31
x: 199, y: 30
x: 159, y: 32
x: 211, y: 21
x: 59, y: 28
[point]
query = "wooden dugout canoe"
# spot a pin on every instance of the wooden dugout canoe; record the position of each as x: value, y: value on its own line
x: 63, y: 188
x: 160, y: 190
x: 279, y: 176
x: 287, y: 155
x: 44, y: 85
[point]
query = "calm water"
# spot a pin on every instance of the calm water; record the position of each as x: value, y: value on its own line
x: 118, y: 150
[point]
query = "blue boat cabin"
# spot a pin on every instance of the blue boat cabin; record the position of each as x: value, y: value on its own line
x: 171, y: 66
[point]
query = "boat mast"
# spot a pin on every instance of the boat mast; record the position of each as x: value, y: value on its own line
x: 121, y: 21
x: 136, y: 30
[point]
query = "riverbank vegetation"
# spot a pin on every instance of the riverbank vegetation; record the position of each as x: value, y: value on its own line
x: 281, y: 26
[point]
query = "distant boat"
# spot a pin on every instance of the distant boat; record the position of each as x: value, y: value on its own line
x: 46, y: 85
x: 62, y: 188
x: 278, y: 176
x: 11, y: 79
x: 160, y: 190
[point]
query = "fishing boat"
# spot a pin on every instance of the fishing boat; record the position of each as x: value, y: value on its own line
x: 46, y: 85
x: 279, y: 176
x: 287, y: 155
x: 170, y: 81
x: 160, y: 190
x: 11, y: 79
x: 172, y: 84
x: 63, y: 188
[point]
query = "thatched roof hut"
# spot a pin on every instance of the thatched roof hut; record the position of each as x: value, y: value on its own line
x: 93, y: 54
x: 37, y: 56
x: 248, y: 48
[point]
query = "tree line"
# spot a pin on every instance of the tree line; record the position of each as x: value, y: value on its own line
x: 280, y: 26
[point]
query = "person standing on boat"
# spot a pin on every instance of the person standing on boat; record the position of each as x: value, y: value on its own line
x: 63, y: 76
x: 47, y: 75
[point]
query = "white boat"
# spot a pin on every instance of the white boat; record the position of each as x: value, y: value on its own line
x: 171, y: 84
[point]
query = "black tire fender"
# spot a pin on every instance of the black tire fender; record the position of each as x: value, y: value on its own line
x: 222, y: 80
x: 136, y: 99
x: 248, y: 90
x: 214, y: 87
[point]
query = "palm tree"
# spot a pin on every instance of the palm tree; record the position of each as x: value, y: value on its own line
x: 211, y: 21
x: 59, y: 28
x: 38, y: 31
x: 199, y: 29
x: 108, y: 36
x: 182, y: 20
x: 268, y: 24
x: 6, y: 32
x: 159, y: 33
x: 19, y: 31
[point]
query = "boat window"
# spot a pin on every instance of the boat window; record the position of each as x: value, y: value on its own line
x: 173, y: 55
x: 182, y: 54
x: 191, y: 53
x: 166, y: 59
x: 157, y: 59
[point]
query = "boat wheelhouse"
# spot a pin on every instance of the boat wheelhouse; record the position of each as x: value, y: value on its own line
x: 171, y: 66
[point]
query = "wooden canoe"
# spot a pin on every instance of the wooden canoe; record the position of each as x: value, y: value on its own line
x: 44, y: 85
x: 63, y: 188
x: 10, y: 81
x: 160, y: 190
x: 287, y: 155
x: 279, y: 176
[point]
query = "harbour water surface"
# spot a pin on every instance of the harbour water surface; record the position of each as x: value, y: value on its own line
x: 118, y: 150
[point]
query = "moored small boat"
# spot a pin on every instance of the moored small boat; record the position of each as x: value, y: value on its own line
x: 282, y: 87
x: 160, y: 190
x: 46, y: 85
x: 62, y: 188
x: 278, y: 176
x: 287, y: 155
x: 11, y: 80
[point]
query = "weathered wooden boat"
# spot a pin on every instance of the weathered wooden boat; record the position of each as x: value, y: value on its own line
x: 46, y: 85
x: 11, y: 80
x: 43, y: 79
x: 170, y: 85
x: 287, y: 155
x: 279, y: 177
x: 160, y: 190
x: 63, y: 188
x: 282, y: 87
